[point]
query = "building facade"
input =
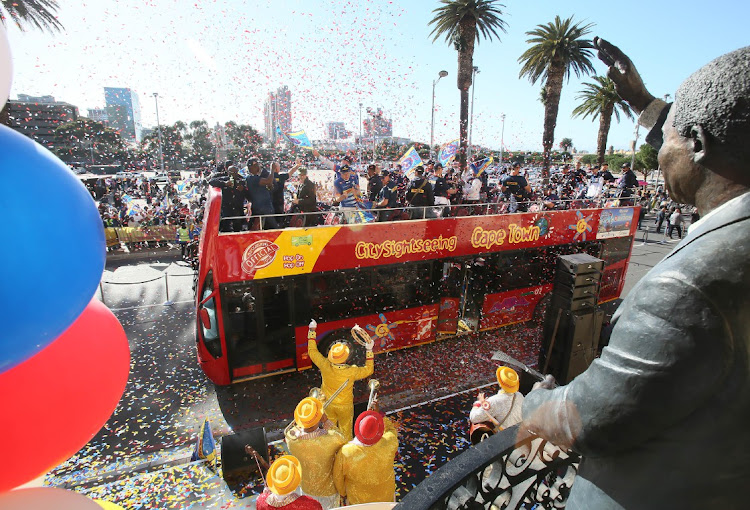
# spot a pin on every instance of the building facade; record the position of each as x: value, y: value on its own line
x: 37, y: 117
x: 376, y: 125
x: 337, y: 131
x: 277, y: 112
x: 99, y: 115
x: 124, y: 112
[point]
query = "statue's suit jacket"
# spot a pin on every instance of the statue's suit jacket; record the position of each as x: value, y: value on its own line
x: 662, y: 418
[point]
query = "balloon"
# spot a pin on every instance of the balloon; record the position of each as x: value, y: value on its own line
x: 56, y: 401
x: 54, y: 253
x: 45, y: 498
x: 6, y: 67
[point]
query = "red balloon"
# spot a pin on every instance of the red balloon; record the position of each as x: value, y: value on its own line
x: 53, y: 403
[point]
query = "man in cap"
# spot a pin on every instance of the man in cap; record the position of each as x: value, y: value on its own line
x: 282, y: 480
x: 386, y: 198
x: 346, y: 192
x: 314, y: 440
x: 661, y: 416
x: 419, y: 195
x: 335, y: 372
x: 516, y: 185
x: 363, y: 471
x: 627, y: 183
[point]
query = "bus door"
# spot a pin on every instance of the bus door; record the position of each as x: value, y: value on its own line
x: 260, y: 335
x: 473, y: 289
x: 450, y: 298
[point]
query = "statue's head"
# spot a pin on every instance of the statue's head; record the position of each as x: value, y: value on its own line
x: 708, y: 127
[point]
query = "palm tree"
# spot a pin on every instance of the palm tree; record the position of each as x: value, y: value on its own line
x: 556, y: 49
x: 462, y: 22
x: 39, y: 13
x: 599, y: 99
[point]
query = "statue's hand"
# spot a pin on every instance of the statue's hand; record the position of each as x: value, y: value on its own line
x: 546, y: 384
x: 370, y: 344
x: 628, y: 82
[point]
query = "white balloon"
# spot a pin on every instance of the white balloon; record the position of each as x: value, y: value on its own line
x: 6, y: 67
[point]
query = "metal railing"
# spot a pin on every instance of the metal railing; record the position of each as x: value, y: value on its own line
x: 513, y: 469
x: 439, y: 211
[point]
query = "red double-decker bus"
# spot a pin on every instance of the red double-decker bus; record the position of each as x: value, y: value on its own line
x: 406, y: 282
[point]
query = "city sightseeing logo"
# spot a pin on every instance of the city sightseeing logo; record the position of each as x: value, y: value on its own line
x: 258, y: 255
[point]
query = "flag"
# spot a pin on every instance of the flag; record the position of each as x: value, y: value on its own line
x: 282, y: 135
x: 448, y: 152
x: 205, y: 448
x: 409, y: 161
x: 180, y: 186
x: 479, y: 167
x: 126, y: 198
x: 299, y: 139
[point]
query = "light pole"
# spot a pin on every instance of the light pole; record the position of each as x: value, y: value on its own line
x: 359, y: 145
x: 158, y: 128
x: 471, y: 122
x: 502, y: 137
x: 441, y: 74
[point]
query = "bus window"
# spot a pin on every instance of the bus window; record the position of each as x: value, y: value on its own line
x: 209, y: 328
x: 616, y: 250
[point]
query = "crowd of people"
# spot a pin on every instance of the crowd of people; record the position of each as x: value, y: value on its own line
x: 285, y: 194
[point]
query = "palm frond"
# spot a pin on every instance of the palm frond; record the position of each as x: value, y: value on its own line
x: 39, y: 13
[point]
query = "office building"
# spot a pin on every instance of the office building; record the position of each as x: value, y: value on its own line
x: 277, y: 112
x: 124, y: 112
x: 37, y: 117
x: 98, y: 115
x: 337, y: 131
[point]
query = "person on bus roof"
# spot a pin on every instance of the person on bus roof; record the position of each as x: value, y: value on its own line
x: 335, y: 372
x: 234, y: 192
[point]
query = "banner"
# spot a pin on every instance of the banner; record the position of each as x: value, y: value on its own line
x: 409, y: 161
x: 479, y: 167
x: 299, y: 139
x: 205, y: 448
x: 448, y: 152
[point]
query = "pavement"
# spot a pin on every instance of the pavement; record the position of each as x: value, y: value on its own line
x: 167, y: 398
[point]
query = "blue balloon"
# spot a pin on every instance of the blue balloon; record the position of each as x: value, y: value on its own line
x: 53, y: 252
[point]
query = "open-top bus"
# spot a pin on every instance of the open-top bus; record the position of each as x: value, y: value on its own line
x: 407, y: 282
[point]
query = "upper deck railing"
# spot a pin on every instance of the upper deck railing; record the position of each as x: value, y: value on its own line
x: 360, y: 216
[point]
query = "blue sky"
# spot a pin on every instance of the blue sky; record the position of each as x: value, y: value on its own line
x: 217, y: 60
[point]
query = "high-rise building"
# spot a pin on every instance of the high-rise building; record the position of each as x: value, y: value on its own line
x: 124, y: 112
x: 277, y: 112
x: 337, y: 131
x: 37, y: 117
x: 99, y: 115
x: 376, y: 125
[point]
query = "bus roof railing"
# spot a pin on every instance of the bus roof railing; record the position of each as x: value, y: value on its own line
x: 429, y: 212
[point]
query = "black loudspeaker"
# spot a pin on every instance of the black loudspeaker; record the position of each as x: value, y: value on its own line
x: 235, y: 463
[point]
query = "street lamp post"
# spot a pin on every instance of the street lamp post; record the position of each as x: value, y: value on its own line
x: 441, y: 74
x: 471, y: 121
x: 502, y: 139
x: 359, y: 145
x: 158, y: 128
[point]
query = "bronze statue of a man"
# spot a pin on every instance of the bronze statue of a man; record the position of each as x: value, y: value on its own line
x: 662, y: 418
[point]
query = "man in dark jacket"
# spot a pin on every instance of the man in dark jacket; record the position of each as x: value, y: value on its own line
x: 374, y: 183
x: 307, y: 200
x: 627, y: 184
x: 419, y: 194
x: 661, y: 418
x: 234, y: 192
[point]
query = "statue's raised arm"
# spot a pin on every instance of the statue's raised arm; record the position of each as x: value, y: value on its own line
x: 628, y: 82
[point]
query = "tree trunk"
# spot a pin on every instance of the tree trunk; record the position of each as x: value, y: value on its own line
x: 605, y: 120
x: 467, y: 32
x: 552, y: 89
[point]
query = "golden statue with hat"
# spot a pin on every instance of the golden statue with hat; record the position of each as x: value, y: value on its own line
x: 335, y: 373
x: 314, y: 441
x: 363, y: 471
x: 497, y: 412
x: 282, y: 481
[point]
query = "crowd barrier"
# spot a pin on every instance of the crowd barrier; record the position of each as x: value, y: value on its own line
x: 126, y: 235
x: 164, y: 276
